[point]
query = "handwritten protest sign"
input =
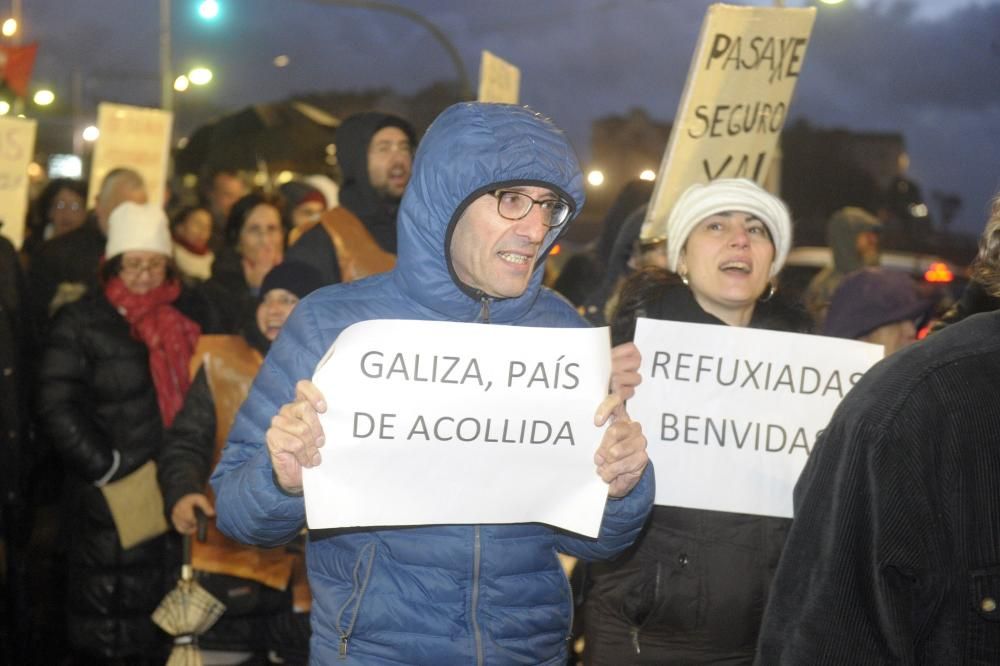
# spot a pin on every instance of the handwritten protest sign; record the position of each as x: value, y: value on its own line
x: 133, y: 137
x: 732, y: 414
x: 17, y: 145
x: 499, y: 81
x: 448, y: 423
x: 735, y: 101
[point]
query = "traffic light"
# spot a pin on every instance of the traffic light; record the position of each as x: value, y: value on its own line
x: 208, y: 9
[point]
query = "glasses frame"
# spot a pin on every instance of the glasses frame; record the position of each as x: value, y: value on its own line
x: 497, y: 194
x: 154, y: 266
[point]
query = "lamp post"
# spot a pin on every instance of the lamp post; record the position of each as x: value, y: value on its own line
x: 465, y: 89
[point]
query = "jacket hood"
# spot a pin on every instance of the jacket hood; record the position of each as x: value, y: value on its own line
x: 356, y: 193
x: 841, y: 233
x: 470, y: 149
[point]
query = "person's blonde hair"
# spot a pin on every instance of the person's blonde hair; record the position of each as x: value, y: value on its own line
x: 986, y: 266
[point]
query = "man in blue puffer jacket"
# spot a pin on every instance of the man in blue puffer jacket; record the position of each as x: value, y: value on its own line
x: 493, y: 187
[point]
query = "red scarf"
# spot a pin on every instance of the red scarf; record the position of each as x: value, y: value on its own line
x: 169, y: 336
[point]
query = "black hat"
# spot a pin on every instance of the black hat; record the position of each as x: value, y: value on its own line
x: 298, y: 278
x: 871, y: 298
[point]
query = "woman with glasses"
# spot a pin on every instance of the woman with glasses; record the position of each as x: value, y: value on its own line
x: 114, y: 373
x: 61, y: 207
x: 255, y: 243
x: 693, y: 587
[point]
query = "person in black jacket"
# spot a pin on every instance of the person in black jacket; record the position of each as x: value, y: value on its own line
x: 114, y: 372
x: 894, y: 553
x: 255, y: 243
x: 226, y: 367
x: 375, y: 153
x: 692, y: 588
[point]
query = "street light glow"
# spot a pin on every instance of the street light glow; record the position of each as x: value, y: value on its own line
x: 9, y: 27
x: 181, y: 83
x: 208, y: 9
x: 91, y: 133
x: 831, y: 2
x: 647, y: 174
x: 281, y: 61
x: 200, y: 75
x: 44, y: 97
x: 4, y: 107
x: 595, y: 177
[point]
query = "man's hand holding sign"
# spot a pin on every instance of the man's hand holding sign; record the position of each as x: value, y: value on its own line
x: 399, y: 395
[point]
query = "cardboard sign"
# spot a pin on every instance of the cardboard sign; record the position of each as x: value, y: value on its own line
x: 735, y: 101
x: 499, y: 81
x: 17, y: 145
x: 731, y: 414
x: 133, y: 137
x: 448, y: 423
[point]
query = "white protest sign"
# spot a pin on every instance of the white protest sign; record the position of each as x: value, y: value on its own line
x: 449, y: 423
x: 17, y: 146
x: 731, y: 414
x: 499, y: 81
x: 133, y: 137
x: 735, y: 101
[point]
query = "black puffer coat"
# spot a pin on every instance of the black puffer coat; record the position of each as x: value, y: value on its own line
x: 96, y: 395
x: 693, y: 587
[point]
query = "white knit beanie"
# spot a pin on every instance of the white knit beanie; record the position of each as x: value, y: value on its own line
x: 133, y: 226
x: 737, y: 195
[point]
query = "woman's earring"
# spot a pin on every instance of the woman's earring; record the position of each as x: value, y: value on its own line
x: 771, y: 289
x: 684, y: 279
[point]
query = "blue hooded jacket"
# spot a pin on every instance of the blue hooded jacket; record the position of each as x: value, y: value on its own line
x: 452, y: 594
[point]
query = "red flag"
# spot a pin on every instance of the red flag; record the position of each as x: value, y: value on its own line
x: 16, y: 63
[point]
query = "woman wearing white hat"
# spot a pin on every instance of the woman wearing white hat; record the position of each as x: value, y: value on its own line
x: 114, y: 373
x: 693, y: 587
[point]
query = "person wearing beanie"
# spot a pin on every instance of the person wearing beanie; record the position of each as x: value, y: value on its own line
x: 693, y: 587
x: 224, y: 367
x: 254, y: 244
x: 878, y: 306
x: 113, y: 375
x: 358, y: 237
x: 474, y: 236
x: 304, y: 205
x: 853, y: 236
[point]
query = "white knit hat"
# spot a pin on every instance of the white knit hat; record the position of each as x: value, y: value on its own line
x: 135, y: 226
x: 699, y: 202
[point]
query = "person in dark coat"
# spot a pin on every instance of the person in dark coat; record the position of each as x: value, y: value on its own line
x: 113, y: 374
x: 692, y: 588
x: 60, y: 208
x: 226, y: 366
x: 255, y: 243
x: 65, y: 266
x: 375, y: 152
x: 894, y: 553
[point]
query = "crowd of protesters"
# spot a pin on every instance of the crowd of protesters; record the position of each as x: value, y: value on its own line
x: 130, y: 335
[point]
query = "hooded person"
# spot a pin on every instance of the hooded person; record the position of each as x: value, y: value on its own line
x: 223, y: 367
x: 358, y: 237
x: 474, y: 234
x: 853, y: 236
x: 303, y: 206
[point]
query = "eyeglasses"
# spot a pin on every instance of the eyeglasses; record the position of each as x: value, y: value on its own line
x: 513, y: 205
x: 384, y: 148
x: 137, y: 266
x: 63, y: 205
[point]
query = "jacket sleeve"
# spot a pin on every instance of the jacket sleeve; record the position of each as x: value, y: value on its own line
x: 186, y: 458
x: 249, y: 505
x: 620, y: 526
x: 65, y: 400
x: 854, y: 584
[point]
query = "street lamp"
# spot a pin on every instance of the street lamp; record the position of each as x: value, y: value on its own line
x: 208, y: 9
x: 91, y: 133
x: 44, y: 97
x: 9, y: 27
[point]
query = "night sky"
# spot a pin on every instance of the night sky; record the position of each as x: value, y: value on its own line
x: 929, y: 70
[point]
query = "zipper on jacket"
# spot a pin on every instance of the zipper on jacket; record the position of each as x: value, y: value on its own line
x: 357, y: 594
x: 475, y: 599
x: 484, y: 308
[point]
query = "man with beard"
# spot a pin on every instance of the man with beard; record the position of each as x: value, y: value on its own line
x: 358, y: 238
